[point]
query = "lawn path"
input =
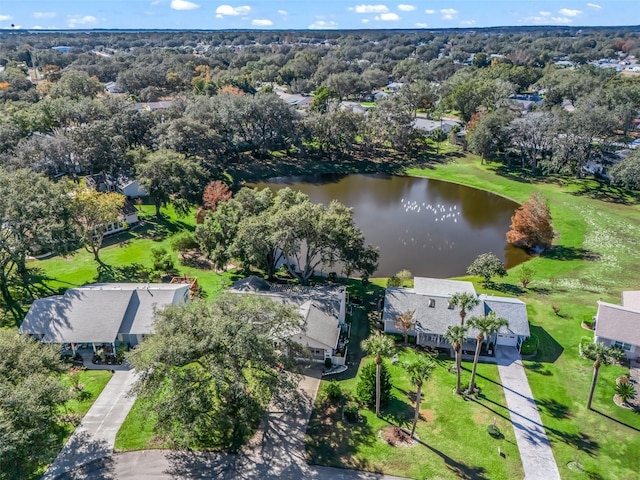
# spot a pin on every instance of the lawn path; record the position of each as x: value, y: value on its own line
x: 535, y: 449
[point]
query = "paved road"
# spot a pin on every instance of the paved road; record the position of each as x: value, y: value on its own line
x: 275, y: 452
x: 95, y: 437
x: 535, y: 450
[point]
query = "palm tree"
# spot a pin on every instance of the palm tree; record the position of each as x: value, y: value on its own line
x: 380, y: 346
x: 487, y: 326
x: 601, y: 355
x: 405, y: 322
x: 455, y: 335
x: 465, y: 301
x: 419, y: 370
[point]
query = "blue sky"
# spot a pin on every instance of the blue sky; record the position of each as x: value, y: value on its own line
x: 312, y: 14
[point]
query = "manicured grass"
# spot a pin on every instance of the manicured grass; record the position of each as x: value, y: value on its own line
x: 93, y: 382
x: 128, y: 256
x: 454, y: 442
x: 594, y: 256
x: 136, y: 433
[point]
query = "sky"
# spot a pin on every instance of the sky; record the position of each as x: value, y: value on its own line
x: 311, y: 14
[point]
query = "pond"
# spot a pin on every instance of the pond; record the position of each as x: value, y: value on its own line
x: 430, y: 227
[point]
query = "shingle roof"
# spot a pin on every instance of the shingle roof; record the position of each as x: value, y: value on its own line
x: 99, y: 312
x: 251, y: 284
x: 430, y: 300
x: 618, y: 323
x: 322, y: 327
x: 79, y: 316
x: 441, y: 288
x: 631, y: 300
x: 511, y: 309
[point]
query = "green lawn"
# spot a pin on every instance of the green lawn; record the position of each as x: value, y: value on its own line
x: 93, y: 382
x: 128, y: 256
x: 454, y: 442
x: 594, y: 257
x: 136, y: 433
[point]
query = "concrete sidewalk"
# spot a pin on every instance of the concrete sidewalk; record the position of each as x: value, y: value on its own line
x: 535, y: 449
x: 95, y: 437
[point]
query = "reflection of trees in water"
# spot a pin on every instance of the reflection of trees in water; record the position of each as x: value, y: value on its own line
x: 411, y: 239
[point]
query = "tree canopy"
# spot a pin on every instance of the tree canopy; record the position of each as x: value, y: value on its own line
x: 30, y: 398
x: 211, y: 368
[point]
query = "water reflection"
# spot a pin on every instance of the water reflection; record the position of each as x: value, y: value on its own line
x: 430, y: 227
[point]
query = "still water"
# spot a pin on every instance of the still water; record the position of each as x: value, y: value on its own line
x: 430, y: 227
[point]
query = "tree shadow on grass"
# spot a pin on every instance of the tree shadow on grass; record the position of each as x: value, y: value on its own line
x: 507, y: 288
x: 460, y: 469
x: 554, y: 408
x: 561, y: 252
x: 134, y: 272
x: 538, y: 368
x: 602, y: 191
x: 549, y: 350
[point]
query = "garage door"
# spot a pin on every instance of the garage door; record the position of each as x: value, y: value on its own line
x: 509, y: 340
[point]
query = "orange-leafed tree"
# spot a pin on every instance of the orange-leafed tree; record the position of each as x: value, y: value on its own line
x: 531, y: 226
x: 214, y: 193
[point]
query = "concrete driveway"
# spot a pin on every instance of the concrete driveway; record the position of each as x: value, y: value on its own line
x: 275, y: 452
x: 535, y: 449
x: 95, y: 437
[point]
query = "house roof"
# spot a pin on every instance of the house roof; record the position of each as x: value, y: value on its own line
x: 99, y: 312
x: 631, y: 300
x: 77, y: 317
x: 319, y: 306
x: 429, y: 319
x: 441, y: 288
x: 616, y: 322
x: 511, y: 309
x: 430, y: 300
x: 251, y: 284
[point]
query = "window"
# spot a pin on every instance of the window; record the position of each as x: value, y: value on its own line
x: 622, y: 345
x: 432, y: 302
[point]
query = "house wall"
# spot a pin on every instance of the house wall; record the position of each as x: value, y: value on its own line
x: 633, y: 352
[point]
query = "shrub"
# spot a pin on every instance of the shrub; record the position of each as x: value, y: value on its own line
x: 366, y: 389
x: 525, y: 274
x: 494, y: 431
x: 556, y: 309
x: 333, y: 391
x: 530, y: 345
x: 161, y: 259
x: 351, y: 412
x: 183, y: 242
x: 626, y: 391
x: 531, y: 225
x: 327, y: 362
x: 394, y: 281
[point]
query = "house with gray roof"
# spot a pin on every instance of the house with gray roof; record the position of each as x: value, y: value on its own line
x: 619, y: 325
x: 434, y: 314
x: 323, y: 331
x: 101, y: 314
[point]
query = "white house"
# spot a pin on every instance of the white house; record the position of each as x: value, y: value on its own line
x: 101, y: 314
x: 619, y: 325
x: 324, y: 330
x: 430, y: 299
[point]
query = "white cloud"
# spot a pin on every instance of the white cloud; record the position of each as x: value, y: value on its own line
x: 449, y: 13
x: 371, y: 9
x: 183, y: 5
x: 228, y: 10
x: 44, y: 14
x: 421, y: 25
x: 406, y: 8
x: 74, y: 20
x: 282, y: 12
x: 261, y: 22
x: 322, y: 25
x: 594, y: 5
x: 4, y: 18
x: 561, y: 20
x: 155, y: 2
x: 387, y: 17
x: 545, y: 14
x: 365, y: 20
x: 429, y: 12
x: 467, y: 23
x: 567, y: 12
